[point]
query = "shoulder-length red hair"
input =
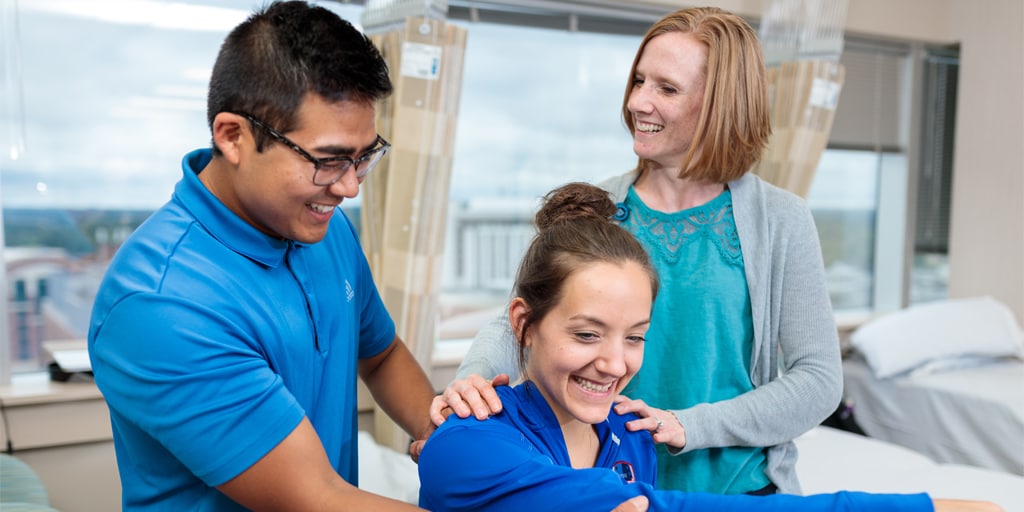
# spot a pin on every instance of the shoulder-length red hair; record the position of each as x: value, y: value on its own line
x: 734, y: 126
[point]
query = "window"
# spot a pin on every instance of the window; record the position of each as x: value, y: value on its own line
x: 859, y: 194
x: 99, y: 107
x: 861, y: 197
x: 101, y: 101
x: 525, y: 126
x: 930, y: 269
x: 844, y: 202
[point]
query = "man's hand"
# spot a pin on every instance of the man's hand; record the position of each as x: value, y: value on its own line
x: 472, y: 395
x: 637, y: 504
x: 415, y: 448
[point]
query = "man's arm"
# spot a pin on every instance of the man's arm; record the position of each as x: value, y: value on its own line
x: 296, y: 475
x: 401, y: 388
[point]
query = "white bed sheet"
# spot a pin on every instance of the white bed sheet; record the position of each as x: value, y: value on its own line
x: 384, y: 471
x: 969, y: 416
x: 830, y: 460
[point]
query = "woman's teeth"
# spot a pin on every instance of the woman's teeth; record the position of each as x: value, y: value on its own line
x: 648, y: 127
x: 592, y: 386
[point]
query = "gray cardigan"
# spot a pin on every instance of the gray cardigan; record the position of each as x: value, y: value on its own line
x: 795, y: 364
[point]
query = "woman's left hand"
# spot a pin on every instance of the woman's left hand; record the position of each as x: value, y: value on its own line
x: 663, y: 425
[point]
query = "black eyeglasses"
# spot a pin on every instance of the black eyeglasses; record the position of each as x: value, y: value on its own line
x: 327, y: 171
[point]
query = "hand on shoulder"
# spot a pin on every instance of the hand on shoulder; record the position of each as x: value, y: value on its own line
x: 473, y: 395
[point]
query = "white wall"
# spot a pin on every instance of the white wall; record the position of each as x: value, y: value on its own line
x: 987, y: 232
x: 987, y: 228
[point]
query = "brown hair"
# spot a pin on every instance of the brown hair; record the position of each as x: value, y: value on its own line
x: 574, y: 228
x: 733, y: 128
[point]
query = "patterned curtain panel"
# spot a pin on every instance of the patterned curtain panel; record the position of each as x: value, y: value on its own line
x: 803, y: 95
x: 802, y: 42
x: 405, y: 201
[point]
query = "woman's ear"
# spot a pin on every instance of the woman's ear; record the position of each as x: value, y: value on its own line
x: 228, y: 135
x: 518, y: 311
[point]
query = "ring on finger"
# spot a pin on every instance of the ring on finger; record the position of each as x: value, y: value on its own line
x: 658, y: 427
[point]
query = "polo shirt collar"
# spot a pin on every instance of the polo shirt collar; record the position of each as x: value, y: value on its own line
x: 218, y: 220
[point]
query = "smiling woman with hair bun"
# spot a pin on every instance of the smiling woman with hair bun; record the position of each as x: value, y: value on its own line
x: 581, y: 312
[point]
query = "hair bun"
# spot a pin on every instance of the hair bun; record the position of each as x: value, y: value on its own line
x: 574, y: 201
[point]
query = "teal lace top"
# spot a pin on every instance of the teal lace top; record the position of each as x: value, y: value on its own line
x: 701, y: 334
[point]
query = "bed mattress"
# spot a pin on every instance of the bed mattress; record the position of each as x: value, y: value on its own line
x: 969, y: 416
x: 831, y: 460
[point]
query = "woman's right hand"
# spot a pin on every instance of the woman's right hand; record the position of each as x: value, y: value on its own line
x: 965, y: 506
x: 663, y: 425
x: 473, y: 395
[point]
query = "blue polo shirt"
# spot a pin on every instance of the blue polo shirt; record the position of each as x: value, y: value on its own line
x: 517, y: 461
x: 211, y: 341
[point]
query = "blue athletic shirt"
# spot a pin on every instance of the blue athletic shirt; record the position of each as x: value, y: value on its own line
x: 517, y: 461
x: 211, y: 340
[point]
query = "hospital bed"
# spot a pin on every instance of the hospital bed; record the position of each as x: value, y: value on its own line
x: 944, y: 379
x: 831, y: 460
x: 967, y: 416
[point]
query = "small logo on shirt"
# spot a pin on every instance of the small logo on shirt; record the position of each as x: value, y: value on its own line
x: 349, y: 292
x: 625, y: 471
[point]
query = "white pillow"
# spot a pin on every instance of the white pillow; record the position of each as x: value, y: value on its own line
x: 899, y: 342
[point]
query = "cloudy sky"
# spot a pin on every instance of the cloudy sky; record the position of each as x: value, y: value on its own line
x: 109, y: 101
x: 102, y: 98
x: 101, y: 103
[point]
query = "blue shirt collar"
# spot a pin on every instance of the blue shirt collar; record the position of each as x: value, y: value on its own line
x: 535, y: 412
x: 217, y: 219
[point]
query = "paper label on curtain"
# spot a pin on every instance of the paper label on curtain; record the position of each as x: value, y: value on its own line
x: 421, y: 60
x: 824, y: 94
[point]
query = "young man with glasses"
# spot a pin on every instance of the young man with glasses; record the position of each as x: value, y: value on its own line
x: 230, y: 328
